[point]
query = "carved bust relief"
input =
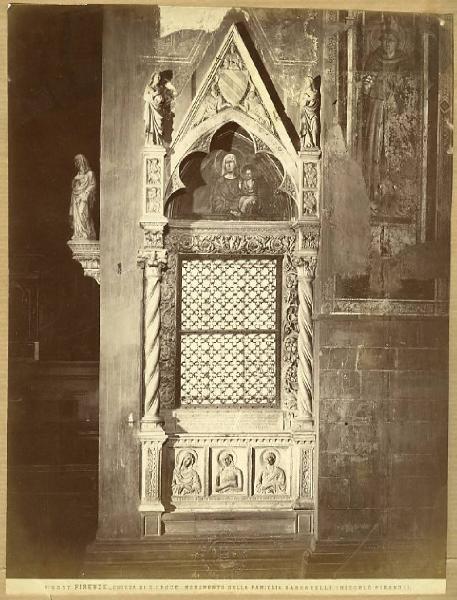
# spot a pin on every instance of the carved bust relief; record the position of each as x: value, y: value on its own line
x: 271, y: 478
x: 229, y: 478
x: 186, y: 480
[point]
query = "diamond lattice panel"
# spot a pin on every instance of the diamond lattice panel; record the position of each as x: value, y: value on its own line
x: 228, y: 332
x: 228, y: 294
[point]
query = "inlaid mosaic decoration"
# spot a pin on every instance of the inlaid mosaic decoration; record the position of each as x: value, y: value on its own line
x: 229, y: 330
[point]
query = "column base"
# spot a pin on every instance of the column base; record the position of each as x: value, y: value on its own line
x: 153, y: 425
x: 304, y: 423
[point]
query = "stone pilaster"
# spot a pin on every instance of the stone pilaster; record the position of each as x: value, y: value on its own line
x: 309, y: 184
x: 153, y: 183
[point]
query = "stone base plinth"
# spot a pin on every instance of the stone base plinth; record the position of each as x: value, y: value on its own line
x: 201, y: 557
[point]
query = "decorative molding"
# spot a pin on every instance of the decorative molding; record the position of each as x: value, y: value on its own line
x: 226, y: 441
x: 374, y: 306
x: 290, y: 334
x: 207, y: 243
x: 152, y: 487
x: 168, y: 333
x: 87, y: 253
x: 331, y: 45
x: 306, y: 483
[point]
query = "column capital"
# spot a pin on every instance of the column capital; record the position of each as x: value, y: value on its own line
x: 152, y: 257
x: 306, y: 265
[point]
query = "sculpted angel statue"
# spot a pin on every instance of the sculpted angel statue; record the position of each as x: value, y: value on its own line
x: 82, y: 200
x: 158, y: 99
x: 309, y: 117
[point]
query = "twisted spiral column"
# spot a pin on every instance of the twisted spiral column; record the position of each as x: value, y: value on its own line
x: 152, y: 274
x: 306, y: 267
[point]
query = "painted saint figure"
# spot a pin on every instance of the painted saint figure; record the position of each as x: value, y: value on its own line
x: 186, y: 480
x: 249, y: 192
x: 82, y: 200
x: 272, y: 479
x: 229, y: 478
x: 225, y: 192
x: 309, y: 118
x: 380, y: 86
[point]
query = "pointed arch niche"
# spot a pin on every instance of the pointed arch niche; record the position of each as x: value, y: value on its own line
x: 231, y: 234
x: 257, y: 187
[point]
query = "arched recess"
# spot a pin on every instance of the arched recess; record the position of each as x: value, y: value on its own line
x: 199, y: 139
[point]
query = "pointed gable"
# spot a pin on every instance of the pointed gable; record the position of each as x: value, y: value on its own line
x: 231, y: 88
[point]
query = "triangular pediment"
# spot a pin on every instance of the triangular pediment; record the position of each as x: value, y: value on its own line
x: 233, y: 84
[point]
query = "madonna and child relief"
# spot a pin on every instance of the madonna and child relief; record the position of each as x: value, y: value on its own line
x: 233, y: 184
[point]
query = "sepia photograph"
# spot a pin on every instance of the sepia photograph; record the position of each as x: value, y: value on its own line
x: 229, y: 281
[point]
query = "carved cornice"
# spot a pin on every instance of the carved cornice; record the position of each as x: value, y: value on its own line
x: 206, y: 243
x: 283, y: 441
x: 87, y: 253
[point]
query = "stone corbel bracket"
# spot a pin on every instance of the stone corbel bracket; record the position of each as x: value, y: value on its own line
x: 87, y: 253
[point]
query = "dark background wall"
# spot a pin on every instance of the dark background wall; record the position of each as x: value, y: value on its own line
x: 54, y: 69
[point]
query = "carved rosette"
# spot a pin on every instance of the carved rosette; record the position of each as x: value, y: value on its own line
x: 152, y: 260
x: 87, y: 253
x: 306, y: 265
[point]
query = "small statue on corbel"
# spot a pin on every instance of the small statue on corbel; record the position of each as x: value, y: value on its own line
x: 158, y: 97
x: 310, y: 103
x: 83, y: 190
